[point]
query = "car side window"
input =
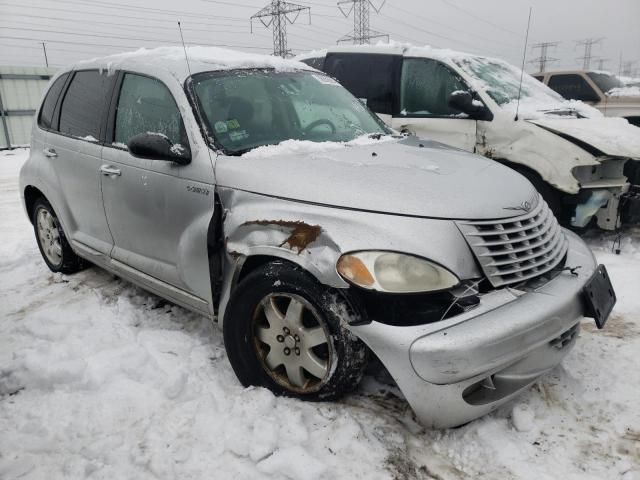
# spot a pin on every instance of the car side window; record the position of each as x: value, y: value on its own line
x: 146, y: 105
x: 368, y: 77
x: 573, y: 87
x: 51, y: 100
x: 82, y: 107
x: 426, y: 86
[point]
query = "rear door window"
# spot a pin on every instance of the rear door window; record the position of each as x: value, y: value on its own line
x: 368, y: 77
x: 146, y: 105
x: 82, y: 108
x: 573, y: 87
x: 425, y: 88
x: 51, y: 100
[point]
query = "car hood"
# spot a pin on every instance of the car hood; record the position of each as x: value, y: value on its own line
x: 611, y: 136
x: 402, y: 177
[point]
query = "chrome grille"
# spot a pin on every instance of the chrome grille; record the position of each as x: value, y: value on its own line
x: 516, y: 249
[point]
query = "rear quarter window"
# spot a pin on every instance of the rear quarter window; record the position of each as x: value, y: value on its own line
x: 45, y: 119
x: 317, y: 62
x: 82, y: 110
x: 371, y: 77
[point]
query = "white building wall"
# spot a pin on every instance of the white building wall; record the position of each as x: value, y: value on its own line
x: 21, y: 89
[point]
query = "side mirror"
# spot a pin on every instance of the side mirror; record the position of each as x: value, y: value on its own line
x: 464, y: 102
x: 156, y: 146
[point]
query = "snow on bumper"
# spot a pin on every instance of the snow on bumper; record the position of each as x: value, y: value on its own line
x: 459, y: 369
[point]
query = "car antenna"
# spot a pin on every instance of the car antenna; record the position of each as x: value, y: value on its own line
x: 524, y: 57
x: 186, y: 57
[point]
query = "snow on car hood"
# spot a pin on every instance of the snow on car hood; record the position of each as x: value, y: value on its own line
x: 612, y: 136
x: 395, y: 177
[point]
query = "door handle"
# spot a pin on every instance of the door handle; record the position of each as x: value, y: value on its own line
x: 50, y: 152
x: 109, y: 170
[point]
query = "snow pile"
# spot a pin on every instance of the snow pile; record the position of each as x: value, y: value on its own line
x: 100, y: 379
x: 624, y: 92
x: 200, y: 59
x: 300, y: 147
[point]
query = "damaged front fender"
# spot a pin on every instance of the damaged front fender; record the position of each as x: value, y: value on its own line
x: 314, y: 237
x: 543, y: 151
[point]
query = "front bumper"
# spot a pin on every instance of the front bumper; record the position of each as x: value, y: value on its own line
x: 463, y: 367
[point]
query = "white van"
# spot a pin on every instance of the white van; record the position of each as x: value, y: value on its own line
x: 577, y: 159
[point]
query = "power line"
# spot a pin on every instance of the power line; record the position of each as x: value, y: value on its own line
x: 477, y: 17
x: 129, y: 17
x: 457, y: 30
x: 361, y: 9
x: 276, y: 15
x: 117, y: 37
x: 119, y: 24
x: 544, y: 58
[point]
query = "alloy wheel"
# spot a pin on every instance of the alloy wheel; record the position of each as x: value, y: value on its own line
x: 292, y: 342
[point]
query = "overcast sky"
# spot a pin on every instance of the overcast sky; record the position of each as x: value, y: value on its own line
x: 77, y: 29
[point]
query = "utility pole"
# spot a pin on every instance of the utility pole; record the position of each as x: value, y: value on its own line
x: 544, y: 59
x: 44, y: 48
x: 362, y: 33
x: 588, y: 44
x: 276, y: 15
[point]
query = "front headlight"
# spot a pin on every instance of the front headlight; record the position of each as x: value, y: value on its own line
x: 394, y: 272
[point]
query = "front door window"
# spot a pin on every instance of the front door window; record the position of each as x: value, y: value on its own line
x: 426, y: 87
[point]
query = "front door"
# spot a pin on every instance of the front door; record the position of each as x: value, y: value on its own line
x: 425, y: 88
x: 158, y: 225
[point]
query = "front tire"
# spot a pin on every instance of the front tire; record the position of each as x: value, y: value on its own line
x: 52, y: 242
x: 284, y: 331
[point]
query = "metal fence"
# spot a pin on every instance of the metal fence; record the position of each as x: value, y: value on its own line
x: 21, y: 89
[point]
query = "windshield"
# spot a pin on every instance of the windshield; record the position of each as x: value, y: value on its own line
x: 245, y: 109
x: 502, y: 81
x: 605, y: 81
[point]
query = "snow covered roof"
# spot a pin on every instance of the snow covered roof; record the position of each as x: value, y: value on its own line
x: 201, y: 59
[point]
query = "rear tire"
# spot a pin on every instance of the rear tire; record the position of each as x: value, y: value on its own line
x: 284, y: 331
x: 51, y: 240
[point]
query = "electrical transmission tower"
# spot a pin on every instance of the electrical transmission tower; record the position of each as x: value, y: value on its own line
x: 276, y: 15
x: 361, y: 9
x: 627, y: 68
x: 544, y: 59
x: 601, y: 62
x: 588, y: 46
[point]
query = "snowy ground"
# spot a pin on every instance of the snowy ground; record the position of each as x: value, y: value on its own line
x: 101, y: 379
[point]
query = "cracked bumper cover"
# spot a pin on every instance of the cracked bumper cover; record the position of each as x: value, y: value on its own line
x: 454, y: 371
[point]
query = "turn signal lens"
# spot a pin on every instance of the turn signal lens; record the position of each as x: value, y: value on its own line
x: 354, y: 270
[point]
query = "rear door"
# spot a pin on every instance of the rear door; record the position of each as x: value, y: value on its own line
x: 74, y: 145
x: 157, y: 216
x: 425, y: 88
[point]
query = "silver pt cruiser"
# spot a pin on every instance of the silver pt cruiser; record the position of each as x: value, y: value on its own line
x: 260, y: 193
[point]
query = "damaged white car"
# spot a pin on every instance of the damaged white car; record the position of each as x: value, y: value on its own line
x: 262, y: 194
x: 584, y: 165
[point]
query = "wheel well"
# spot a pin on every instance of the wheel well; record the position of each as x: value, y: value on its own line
x: 256, y: 261
x: 31, y: 194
